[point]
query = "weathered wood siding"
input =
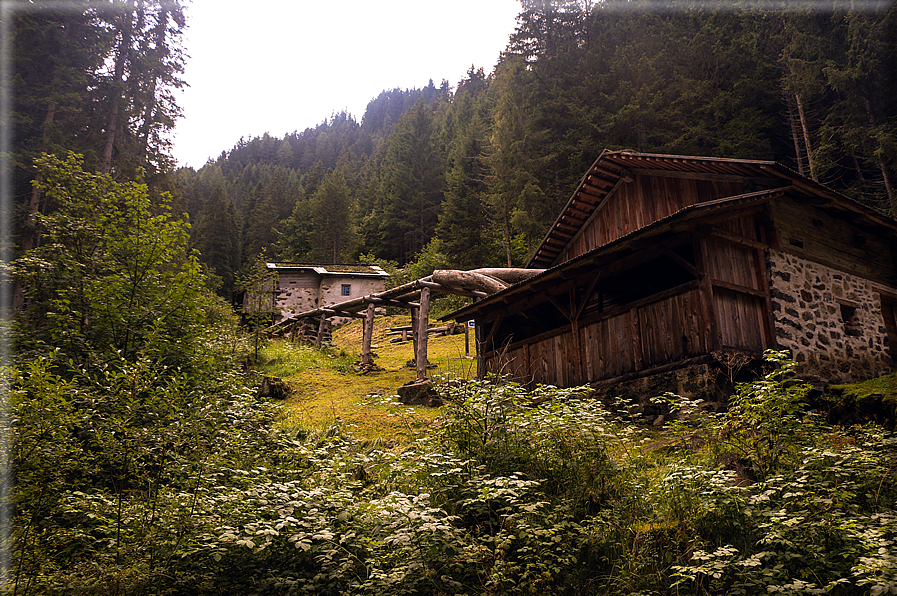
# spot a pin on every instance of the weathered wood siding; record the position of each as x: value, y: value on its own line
x: 643, y: 201
x: 834, y: 242
x: 607, y: 346
x: 732, y: 263
x: 672, y: 329
x: 741, y: 320
x: 615, y: 344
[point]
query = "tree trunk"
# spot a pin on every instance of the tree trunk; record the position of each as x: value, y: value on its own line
x: 117, y: 88
x: 793, y: 121
x: 806, y: 131
x: 885, y: 174
x: 158, y: 54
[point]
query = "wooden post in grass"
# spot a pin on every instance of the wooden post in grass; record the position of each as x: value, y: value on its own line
x: 481, y: 356
x: 420, y: 349
x: 414, y: 329
x: 320, y: 336
x: 366, y: 358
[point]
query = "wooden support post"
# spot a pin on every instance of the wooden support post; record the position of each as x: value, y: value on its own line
x: 368, y: 333
x: 320, y: 336
x: 423, y: 318
x: 414, y: 334
x: 481, y: 352
x: 636, y: 332
x: 467, y: 339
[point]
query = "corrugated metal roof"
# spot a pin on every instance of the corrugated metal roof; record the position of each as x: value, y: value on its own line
x: 351, y: 270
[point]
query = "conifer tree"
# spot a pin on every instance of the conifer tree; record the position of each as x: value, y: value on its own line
x: 217, y: 239
x: 330, y: 214
x: 413, y: 177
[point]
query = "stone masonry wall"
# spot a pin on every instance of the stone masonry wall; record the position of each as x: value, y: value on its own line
x: 830, y: 320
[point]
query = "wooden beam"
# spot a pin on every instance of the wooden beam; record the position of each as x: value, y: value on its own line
x: 681, y: 262
x: 422, y: 334
x: 706, y: 176
x: 389, y: 302
x: 718, y: 283
x: 330, y: 312
x: 587, y: 296
x: 367, y: 358
x: 492, y: 329
x: 447, y: 290
x: 558, y: 305
x: 320, y: 337
x: 735, y: 239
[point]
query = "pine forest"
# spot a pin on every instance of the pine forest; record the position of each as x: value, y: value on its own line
x: 142, y: 457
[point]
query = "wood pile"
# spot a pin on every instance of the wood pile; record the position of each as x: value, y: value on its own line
x: 305, y: 330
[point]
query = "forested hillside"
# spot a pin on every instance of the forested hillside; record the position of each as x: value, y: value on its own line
x: 471, y: 174
x: 141, y: 459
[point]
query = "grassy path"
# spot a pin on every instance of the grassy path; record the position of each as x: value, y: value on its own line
x: 327, y: 391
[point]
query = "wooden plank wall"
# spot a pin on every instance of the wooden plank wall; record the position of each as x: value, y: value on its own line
x: 650, y: 335
x: 741, y: 320
x: 607, y: 346
x: 732, y: 263
x: 672, y: 330
x: 643, y: 201
x: 834, y: 242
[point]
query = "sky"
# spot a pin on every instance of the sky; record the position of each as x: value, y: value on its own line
x: 279, y: 66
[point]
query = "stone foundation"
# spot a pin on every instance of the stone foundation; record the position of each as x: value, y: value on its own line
x: 831, y: 321
x: 706, y: 382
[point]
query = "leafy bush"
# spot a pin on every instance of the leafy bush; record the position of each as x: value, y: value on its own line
x: 138, y: 478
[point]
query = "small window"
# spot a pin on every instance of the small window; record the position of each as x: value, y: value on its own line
x: 851, y: 320
x: 347, y: 290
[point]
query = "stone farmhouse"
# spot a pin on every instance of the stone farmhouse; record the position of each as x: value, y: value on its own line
x: 662, y: 264
x: 302, y: 287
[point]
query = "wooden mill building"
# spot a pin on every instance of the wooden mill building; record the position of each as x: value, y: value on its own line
x: 662, y: 262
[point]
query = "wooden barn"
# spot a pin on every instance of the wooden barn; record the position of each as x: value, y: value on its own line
x: 660, y: 262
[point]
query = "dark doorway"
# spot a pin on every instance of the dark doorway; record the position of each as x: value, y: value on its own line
x: 889, y: 313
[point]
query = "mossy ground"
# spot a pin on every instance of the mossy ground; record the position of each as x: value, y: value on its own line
x: 874, y: 400
x: 327, y: 391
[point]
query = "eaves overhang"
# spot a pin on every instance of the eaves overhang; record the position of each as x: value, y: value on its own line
x: 613, y: 168
x: 372, y: 271
x: 685, y: 219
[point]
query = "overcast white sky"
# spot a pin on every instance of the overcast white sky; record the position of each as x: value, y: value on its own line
x: 278, y: 66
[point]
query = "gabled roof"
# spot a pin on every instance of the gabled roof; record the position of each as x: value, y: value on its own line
x: 644, y: 238
x: 325, y: 270
x: 615, y: 167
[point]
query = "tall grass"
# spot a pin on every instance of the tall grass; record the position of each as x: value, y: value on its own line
x: 286, y: 359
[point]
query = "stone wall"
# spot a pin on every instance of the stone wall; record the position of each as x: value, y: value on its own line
x: 306, y: 290
x: 830, y: 320
x: 298, y: 292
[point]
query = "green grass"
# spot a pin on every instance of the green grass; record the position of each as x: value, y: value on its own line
x: 328, y: 392
x: 873, y: 400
